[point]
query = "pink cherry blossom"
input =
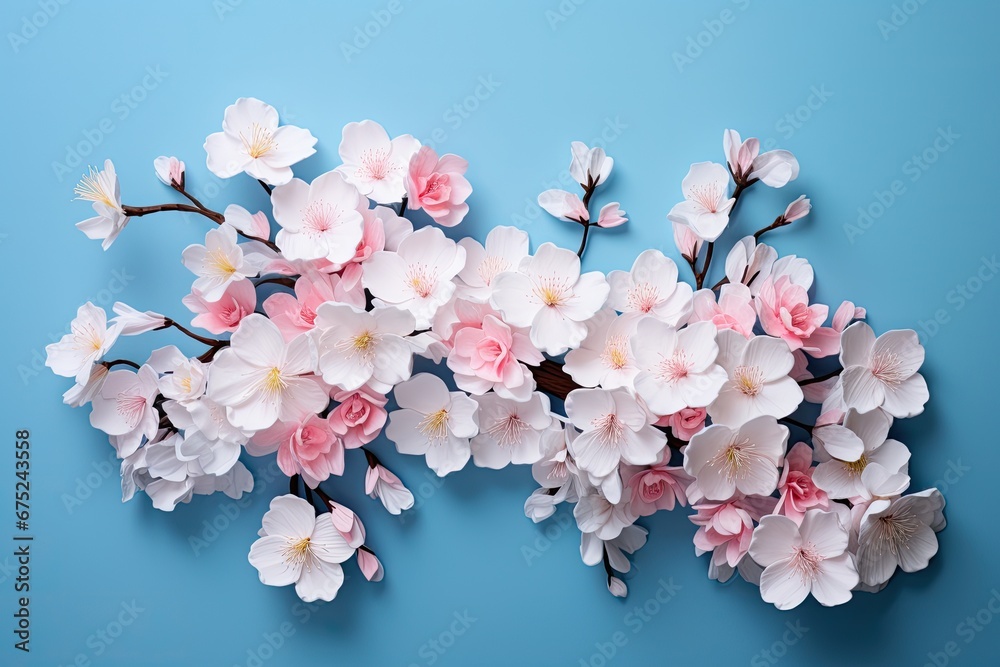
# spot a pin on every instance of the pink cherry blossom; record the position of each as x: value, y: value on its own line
x: 686, y: 423
x: 486, y: 353
x: 797, y: 489
x: 372, y: 236
x: 785, y: 313
x: 734, y: 309
x: 309, y: 448
x: 659, y: 487
x: 359, y: 418
x: 725, y: 530
x: 224, y: 315
x: 438, y: 186
x: 297, y: 314
x: 564, y: 205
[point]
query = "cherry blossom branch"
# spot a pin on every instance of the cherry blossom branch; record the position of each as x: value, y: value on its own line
x: 402, y: 206
x: 780, y: 221
x: 588, y: 192
x: 821, y: 378
x: 371, y: 458
x: 293, y: 485
x: 191, y: 198
x: 139, y: 211
x: 120, y: 362
x: 583, y: 241
x: 701, y: 275
x: 795, y: 422
x: 267, y: 188
x: 214, y: 216
x: 213, y: 342
x: 284, y: 281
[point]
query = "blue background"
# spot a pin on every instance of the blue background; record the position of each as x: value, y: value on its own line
x: 855, y: 99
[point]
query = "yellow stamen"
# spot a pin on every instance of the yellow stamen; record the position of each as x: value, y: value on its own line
x: 260, y: 143
x: 435, y: 425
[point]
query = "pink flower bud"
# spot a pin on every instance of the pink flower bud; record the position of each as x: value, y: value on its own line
x: 611, y: 216
x: 347, y: 524
x: 169, y: 170
x: 370, y: 565
x: 797, y: 209
x: 617, y: 587
x: 687, y: 242
x: 563, y: 205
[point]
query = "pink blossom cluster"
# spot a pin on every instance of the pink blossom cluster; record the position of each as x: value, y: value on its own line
x: 627, y: 393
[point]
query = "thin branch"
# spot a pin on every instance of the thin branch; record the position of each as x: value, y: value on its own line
x: 120, y: 362
x: 821, y: 378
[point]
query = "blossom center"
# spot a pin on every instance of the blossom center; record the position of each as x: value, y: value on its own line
x: 320, y: 217
x: 436, y: 189
x: 609, y: 429
x: 362, y: 344
x: 375, y: 165
x: 736, y: 459
x: 490, y: 267
x: 421, y: 280
x: 855, y: 468
x: 643, y: 297
x: 551, y: 291
x: 87, y: 337
x: 131, y: 407
x: 507, y: 430
x: 615, y: 353
x: 259, y: 143
x: 748, y: 380
x: 96, y: 186
x: 806, y: 561
x: 886, y: 368
x: 707, y: 195
x: 435, y: 425
x: 674, y: 368
x: 297, y: 551
x: 893, y: 531
x: 272, y: 383
x: 220, y: 263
